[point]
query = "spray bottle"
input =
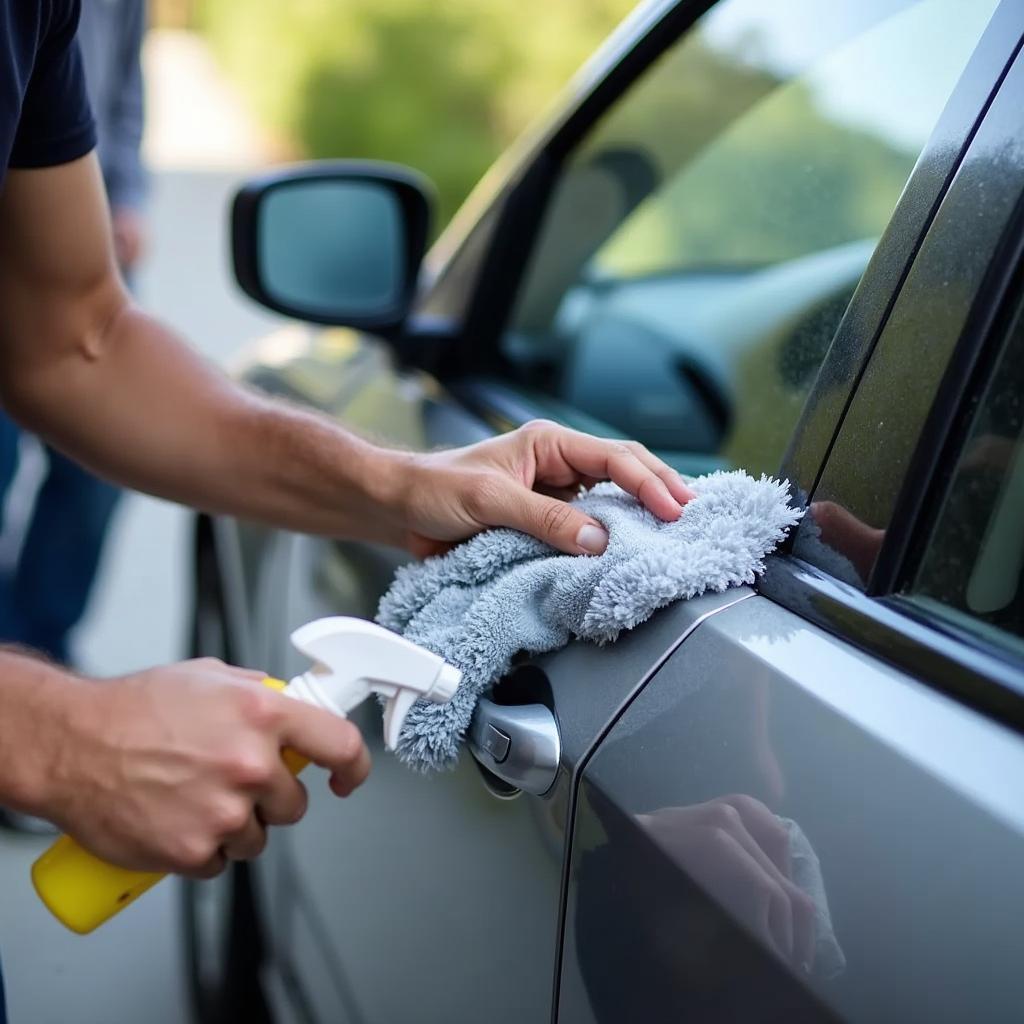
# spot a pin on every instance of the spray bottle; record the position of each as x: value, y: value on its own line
x: 352, y: 659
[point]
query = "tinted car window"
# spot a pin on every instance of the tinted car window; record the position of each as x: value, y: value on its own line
x: 704, y: 241
x: 973, y: 565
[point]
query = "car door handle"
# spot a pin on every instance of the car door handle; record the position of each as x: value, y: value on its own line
x: 519, y: 744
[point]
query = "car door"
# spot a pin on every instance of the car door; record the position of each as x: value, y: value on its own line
x: 682, y: 287
x: 872, y: 694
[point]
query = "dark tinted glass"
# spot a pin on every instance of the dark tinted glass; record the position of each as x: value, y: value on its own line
x: 705, y: 240
x: 973, y: 566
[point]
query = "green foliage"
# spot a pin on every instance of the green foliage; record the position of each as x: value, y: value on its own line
x: 443, y: 86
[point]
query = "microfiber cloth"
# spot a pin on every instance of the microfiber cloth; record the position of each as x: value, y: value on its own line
x: 503, y: 592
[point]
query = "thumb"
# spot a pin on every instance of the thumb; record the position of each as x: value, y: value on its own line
x: 557, y: 523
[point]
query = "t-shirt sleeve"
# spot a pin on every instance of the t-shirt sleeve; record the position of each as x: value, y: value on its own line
x: 56, y: 124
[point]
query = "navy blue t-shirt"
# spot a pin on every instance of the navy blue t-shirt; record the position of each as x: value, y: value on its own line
x: 44, y: 110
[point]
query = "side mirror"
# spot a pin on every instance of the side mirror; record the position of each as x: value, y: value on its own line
x: 333, y: 242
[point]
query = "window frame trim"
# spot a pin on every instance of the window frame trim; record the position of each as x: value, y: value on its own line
x: 954, y: 662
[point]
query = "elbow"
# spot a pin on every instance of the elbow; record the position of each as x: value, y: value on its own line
x: 60, y: 356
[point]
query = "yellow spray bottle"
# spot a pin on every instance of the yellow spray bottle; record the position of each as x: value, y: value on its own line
x: 352, y: 659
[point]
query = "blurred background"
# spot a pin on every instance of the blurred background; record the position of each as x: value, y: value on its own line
x: 233, y: 85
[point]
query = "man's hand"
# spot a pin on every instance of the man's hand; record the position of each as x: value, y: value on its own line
x: 179, y: 768
x: 129, y: 229
x: 524, y: 480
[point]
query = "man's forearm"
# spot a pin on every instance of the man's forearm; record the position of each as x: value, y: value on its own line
x: 136, y: 404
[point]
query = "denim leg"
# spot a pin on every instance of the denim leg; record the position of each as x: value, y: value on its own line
x: 10, y: 629
x: 61, y: 553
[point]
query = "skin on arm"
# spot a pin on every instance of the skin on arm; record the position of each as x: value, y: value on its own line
x: 81, y: 365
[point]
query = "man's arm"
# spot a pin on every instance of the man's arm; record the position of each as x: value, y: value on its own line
x: 115, y: 389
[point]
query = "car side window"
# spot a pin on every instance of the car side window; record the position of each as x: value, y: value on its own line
x: 972, y: 569
x: 704, y: 241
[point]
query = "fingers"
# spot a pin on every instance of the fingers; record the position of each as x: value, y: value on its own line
x: 333, y: 743
x: 552, y: 521
x: 765, y: 827
x: 247, y: 842
x: 628, y: 464
x: 669, y: 477
x: 739, y: 851
x: 209, y: 869
x: 283, y: 801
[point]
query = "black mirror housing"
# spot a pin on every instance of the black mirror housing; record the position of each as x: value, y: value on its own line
x: 334, y: 242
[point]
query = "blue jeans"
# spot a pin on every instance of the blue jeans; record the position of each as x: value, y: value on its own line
x: 46, y: 594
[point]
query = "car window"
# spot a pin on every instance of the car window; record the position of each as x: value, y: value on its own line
x: 972, y: 570
x: 704, y: 241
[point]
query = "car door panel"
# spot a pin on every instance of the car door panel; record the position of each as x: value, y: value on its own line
x: 423, y: 870
x: 912, y: 804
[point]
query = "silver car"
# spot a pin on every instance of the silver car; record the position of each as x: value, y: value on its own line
x: 785, y: 237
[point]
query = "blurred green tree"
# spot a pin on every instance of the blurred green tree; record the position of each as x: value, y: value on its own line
x: 443, y: 86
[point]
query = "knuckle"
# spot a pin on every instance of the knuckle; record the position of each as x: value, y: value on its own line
x: 555, y: 517
x: 749, y: 806
x: 725, y: 816
x: 194, y: 852
x: 538, y: 426
x: 251, y: 766
x: 259, y: 706
x: 208, y: 663
x: 229, y: 816
x: 484, y: 493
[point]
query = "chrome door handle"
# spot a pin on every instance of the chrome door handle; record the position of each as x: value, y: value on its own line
x: 519, y: 744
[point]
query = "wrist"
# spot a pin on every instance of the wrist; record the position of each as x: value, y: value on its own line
x: 387, y: 481
x: 46, y: 704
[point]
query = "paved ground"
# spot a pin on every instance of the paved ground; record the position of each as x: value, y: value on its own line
x: 130, y: 971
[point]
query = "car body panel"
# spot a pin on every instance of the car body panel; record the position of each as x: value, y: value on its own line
x: 913, y: 806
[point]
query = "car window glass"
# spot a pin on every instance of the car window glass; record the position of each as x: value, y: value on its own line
x: 972, y: 569
x: 704, y: 241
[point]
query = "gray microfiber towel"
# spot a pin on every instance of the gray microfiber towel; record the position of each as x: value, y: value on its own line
x: 503, y: 592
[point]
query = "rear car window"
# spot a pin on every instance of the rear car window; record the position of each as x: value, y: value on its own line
x: 705, y: 240
x: 972, y: 569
